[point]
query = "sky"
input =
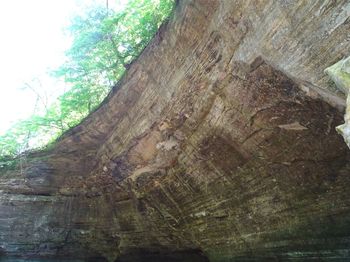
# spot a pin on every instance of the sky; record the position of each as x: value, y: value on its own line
x: 33, y: 43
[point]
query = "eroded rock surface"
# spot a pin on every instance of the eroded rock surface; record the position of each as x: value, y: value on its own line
x: 219, y: 141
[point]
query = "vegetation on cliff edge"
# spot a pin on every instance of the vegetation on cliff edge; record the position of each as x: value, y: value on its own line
x: 104, y: 43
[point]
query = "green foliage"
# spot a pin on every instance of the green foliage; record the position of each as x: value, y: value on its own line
x: 9, y: 163
x: 104, y: 43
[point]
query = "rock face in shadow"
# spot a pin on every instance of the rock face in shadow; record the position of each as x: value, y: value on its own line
x: 146, y: 256
x: 220, y: 138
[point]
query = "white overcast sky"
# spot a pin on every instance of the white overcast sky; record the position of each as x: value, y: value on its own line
x: 32, y: 41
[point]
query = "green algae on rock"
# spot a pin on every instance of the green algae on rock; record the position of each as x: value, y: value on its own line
x: 340, y: 74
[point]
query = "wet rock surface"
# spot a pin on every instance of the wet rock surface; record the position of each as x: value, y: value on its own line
x: 220, y: 138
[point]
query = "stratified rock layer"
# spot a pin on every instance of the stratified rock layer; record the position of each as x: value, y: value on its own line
x: 219, y: 141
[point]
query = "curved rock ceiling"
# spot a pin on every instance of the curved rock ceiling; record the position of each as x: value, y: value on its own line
x: 218, y: 143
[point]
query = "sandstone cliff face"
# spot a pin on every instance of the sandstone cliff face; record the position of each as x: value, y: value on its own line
x: 219, y: 140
